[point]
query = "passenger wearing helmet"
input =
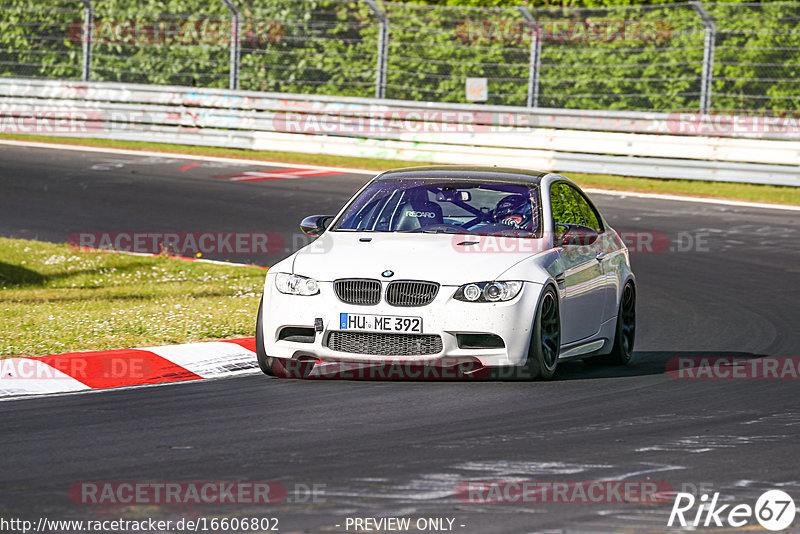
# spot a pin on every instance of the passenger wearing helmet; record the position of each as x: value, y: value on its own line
x: 515, y: 211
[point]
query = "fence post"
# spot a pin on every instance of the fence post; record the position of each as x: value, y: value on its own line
x: 383, y: 45
x: 236, y: 43
x: 86, y: 38
x: 535, y: 58
x: 708, y: 55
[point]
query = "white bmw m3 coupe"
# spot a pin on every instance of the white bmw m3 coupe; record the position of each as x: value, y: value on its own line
x: 508, y: 269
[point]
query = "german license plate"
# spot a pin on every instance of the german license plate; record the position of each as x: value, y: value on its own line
x: 380, y: 323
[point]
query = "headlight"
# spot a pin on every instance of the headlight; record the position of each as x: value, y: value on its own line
x: 293, y: 284
x: 488, y: 291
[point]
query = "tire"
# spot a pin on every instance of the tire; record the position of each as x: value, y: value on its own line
x: 625, y: 335
x: 545, y: 340
x: 264, y: 362
x: 278, y: 367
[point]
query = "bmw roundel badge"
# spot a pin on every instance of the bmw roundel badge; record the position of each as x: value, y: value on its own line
x: 387, y: 273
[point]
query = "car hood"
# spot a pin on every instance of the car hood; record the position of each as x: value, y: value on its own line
x: 443, y: 258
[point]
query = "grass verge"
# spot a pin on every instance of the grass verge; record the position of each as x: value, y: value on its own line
x: 722, y: 190
x: 55, y: 298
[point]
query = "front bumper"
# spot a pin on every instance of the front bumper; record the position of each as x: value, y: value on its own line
x: 444, y: 317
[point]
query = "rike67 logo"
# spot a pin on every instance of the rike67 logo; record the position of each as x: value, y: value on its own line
x: 774, y: 510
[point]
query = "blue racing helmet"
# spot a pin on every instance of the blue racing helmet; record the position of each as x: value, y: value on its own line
x: 515, y: 211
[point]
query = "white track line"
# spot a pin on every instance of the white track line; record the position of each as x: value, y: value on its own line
x: 719, y: 201
x: 175, y: 155
x: 197, y: 157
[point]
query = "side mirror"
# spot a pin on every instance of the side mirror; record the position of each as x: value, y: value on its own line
x: 575, y: 235
x: 315, y: 224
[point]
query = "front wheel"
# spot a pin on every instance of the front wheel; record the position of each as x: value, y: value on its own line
x: 545, y: 339
x: 264, y: 362
x: 278, y: 367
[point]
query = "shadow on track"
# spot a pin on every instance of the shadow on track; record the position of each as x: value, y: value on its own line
x: 471, y: 370
x: 642, y: 364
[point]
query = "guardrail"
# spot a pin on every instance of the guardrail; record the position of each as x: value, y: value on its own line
x: 741, y: 149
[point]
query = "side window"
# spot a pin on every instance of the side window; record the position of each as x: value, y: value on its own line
x: 564, y: 206
x: 570, y: 207
x: 588, y: 214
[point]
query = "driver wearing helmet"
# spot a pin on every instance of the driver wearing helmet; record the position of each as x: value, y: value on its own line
x: 515, y: 211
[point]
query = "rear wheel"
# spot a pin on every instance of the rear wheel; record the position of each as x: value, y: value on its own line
x: 626, y: 329
x: 545, y: 338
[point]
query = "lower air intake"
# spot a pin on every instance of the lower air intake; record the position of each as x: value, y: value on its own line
x: 385, y: 344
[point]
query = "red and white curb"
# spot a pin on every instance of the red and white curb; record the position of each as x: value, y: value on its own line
x: 83, y: 371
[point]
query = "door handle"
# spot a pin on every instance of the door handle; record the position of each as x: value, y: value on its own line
x: 601, y: 256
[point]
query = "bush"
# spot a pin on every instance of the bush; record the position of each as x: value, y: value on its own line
x: 643, y: 57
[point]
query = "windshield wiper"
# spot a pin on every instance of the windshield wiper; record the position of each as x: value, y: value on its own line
x: 424, y: 231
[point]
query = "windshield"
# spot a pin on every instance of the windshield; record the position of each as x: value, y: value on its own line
x: 442, y: 206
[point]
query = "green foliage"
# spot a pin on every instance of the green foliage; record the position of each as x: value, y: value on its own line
x: 644, y: 57
x: 35, y: 39
x: 551, y: 3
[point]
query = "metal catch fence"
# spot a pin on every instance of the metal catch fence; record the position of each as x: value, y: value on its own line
x: 721, y: 58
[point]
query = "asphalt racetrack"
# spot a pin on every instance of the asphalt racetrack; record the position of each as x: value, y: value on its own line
x: 728, y: 284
